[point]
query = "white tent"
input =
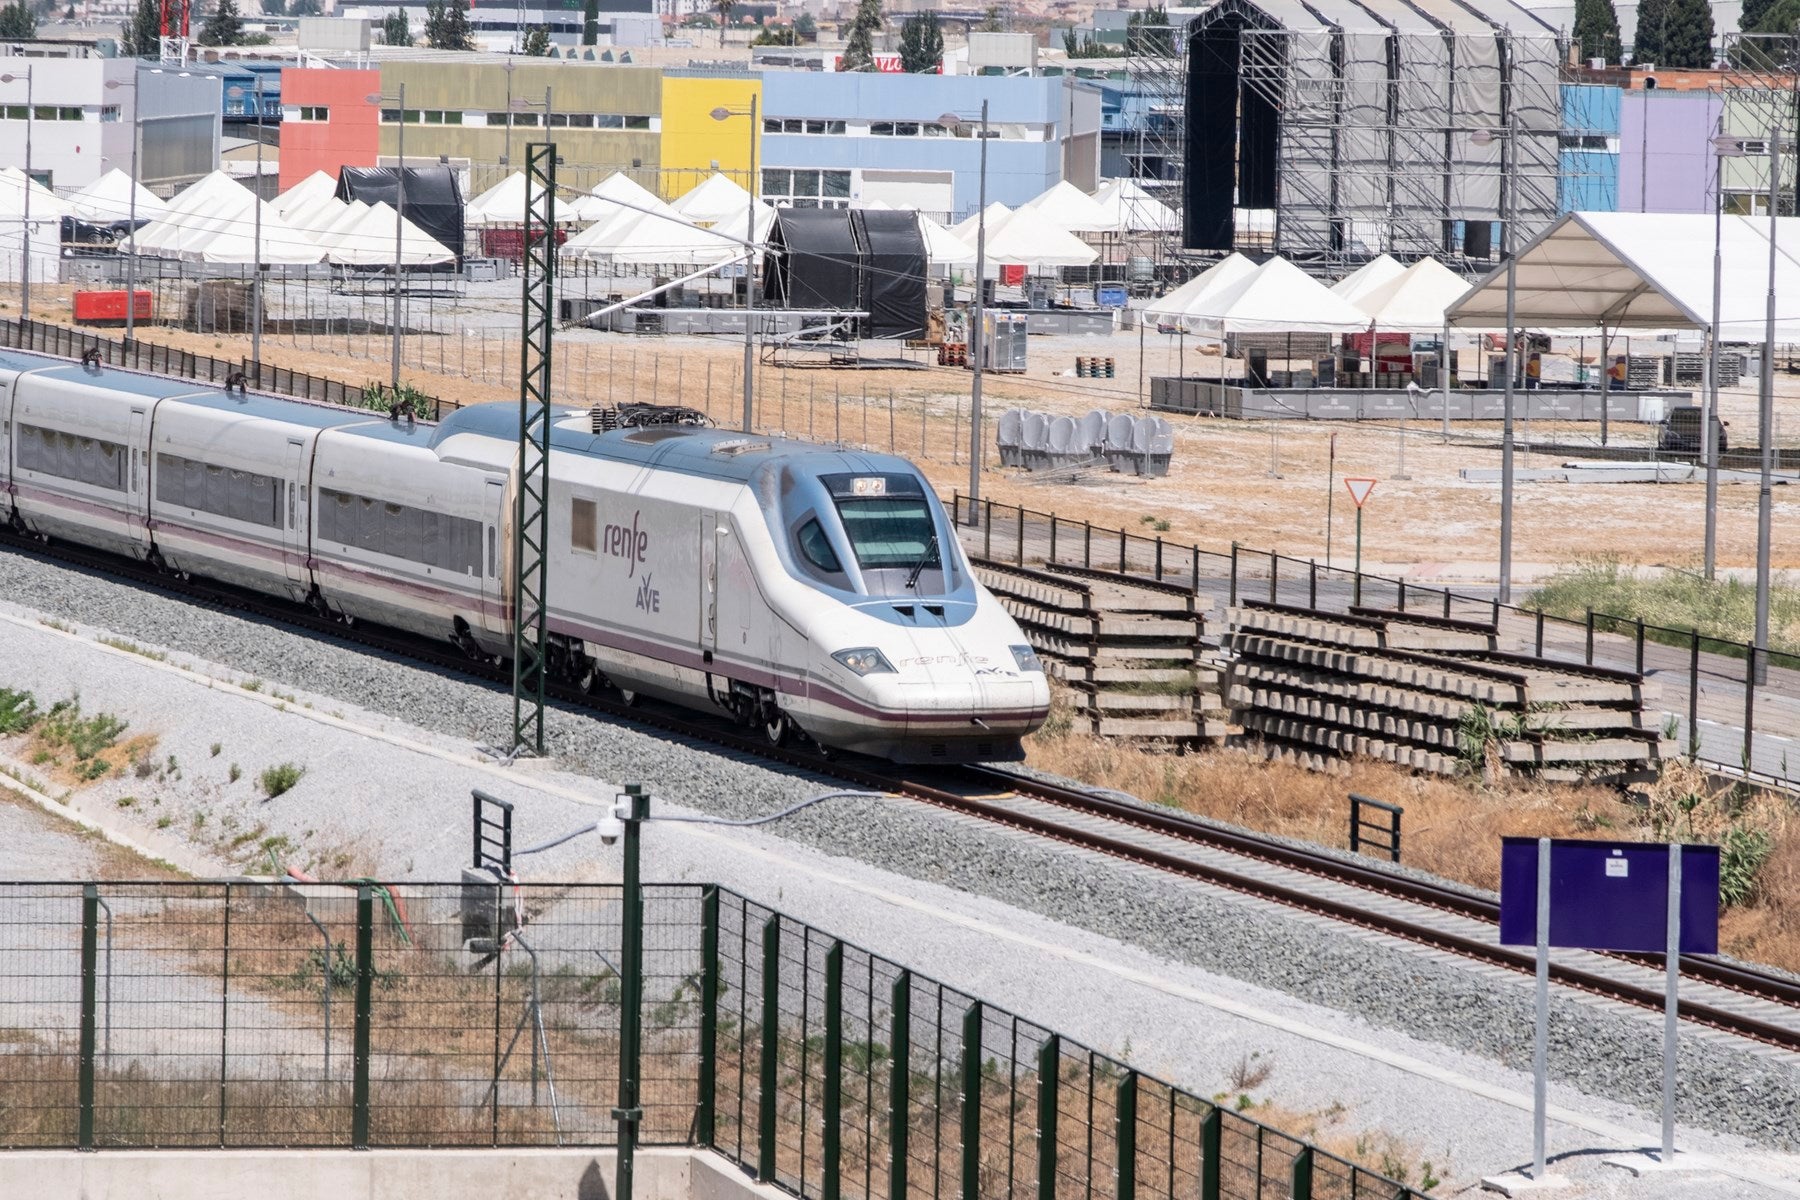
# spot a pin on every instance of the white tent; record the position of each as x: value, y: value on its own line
x: 1644, y: 271
x: 315, y: 218
x: 216, y: 221
x: 46, y: 236
x: 1030, y: 239
x: 1129, y: 207
x: 1068, y: 207
x: 1277, y: 297
x: 369, y: 242
x: 502, y: 204
x: 1377, y: 272
x: 109, y: 198
x: 732, y: 227
x: 648, y: 239
x: 613, y: 195
x: 1174, y: 308
x: 1414, y: 301
x: 943, y: 248
x: 715, y: 199
x: 306, y: 194
x: 44, y: 202
x: 997, y: 217
x: 341, y: 222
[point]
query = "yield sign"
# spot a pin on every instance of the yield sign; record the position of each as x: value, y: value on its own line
x: 1359, y: 489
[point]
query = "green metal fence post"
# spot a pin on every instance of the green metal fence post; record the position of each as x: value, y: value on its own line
x: 704, y: 1118
x: 365, y: 978
x: 1125, y: 1136
x: 899, y: 1083
x: 1303, y: 1174
x: 834, y: 1070
x: 90, y: 938
x: 771, y: 1043
x: 1209, y: 1155
x: 1049, y: 1068
x: 971, y: 1103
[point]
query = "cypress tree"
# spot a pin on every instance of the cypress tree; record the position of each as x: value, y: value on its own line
x: 1597, y: 30
x: 1687, y: 42
x: 1652, y: 22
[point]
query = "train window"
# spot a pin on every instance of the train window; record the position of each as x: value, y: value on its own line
x: 890, y: 531
x: 221, y: 491
x: 418, y: 535
x: 71, y: 456
x: 583, y: 518
x: 816, y: 547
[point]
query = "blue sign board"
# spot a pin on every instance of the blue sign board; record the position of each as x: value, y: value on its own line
x: 1609, y: 895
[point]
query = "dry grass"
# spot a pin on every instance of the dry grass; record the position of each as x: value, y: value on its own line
x: 1451, y: 827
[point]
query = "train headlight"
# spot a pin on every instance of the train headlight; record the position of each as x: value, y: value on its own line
x: 1026, y: 658
x: 865, y: 660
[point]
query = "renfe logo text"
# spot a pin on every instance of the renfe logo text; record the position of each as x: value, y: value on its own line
x: 630, y: 543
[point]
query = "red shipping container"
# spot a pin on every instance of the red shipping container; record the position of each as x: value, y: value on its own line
x: 93, y: 308
x: 1012, y: 274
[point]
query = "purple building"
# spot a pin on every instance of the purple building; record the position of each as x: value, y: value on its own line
x: 1665, y: 151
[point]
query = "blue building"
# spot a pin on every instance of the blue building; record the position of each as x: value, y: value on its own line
x: 833, y: 138
x: 1589, y: 148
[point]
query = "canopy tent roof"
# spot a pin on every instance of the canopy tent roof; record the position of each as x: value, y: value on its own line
x: 368, y: 241
x: 1068, y: 207
x: 1030, y: 239
x: 46, y: 205
x: 715, y: 198
x: 997, y: 217
x: 1174, y: 308
x: 1277, y: 297
x: 943, y: 248
x: 306, y: 194
x: 109, y: 198
x: 1414, y: 300
x: 651, y: 239
x: 1644, y: 271
x: 613, y: 195
x: 314, y: 218
x: 732, y: 228
x: 1129, y: 207
x: 502, y: 204
x: 215, y: 221
x: 1376, y: 273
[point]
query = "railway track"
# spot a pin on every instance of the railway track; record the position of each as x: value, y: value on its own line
x: 1741, y: 1000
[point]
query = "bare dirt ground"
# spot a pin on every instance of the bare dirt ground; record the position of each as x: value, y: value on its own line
x: 1260, y: 484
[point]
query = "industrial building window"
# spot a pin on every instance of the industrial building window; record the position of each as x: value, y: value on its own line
x: 637, y: 122
x: 583, y: 517
x: 581, y: 120
x: 222, y: 491
x: 400, y: 531
x: 314, y: 112
x: 807, y: 188
x: 70, y: 456
x: 109, y: 113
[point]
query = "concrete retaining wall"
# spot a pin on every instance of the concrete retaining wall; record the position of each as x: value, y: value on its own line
x: 1352, y: 404
x: 549, y: 1174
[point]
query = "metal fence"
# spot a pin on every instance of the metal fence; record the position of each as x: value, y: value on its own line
x: 181, y: 364
x: 261, y: 1015
x: 1713, y: 681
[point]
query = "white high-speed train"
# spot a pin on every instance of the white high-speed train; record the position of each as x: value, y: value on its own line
x: 793, y: 584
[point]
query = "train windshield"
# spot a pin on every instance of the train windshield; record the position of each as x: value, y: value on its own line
x: 890, y: 532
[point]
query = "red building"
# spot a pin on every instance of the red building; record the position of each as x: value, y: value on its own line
x: 327, y: 121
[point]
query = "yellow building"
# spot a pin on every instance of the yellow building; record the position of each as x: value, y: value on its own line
x: 694, y: 143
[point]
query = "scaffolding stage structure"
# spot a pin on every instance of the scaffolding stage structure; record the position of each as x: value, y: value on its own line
x: 1335, y: 130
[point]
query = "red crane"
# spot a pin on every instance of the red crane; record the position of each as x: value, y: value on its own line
x: 175, y: 18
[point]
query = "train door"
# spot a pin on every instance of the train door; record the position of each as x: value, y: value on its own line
x: 710, y: 531
x: 496, y: 613
x: 293, y: 529
x: 137, y: 480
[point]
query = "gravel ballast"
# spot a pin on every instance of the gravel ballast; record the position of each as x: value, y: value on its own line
x: 1392, y: 991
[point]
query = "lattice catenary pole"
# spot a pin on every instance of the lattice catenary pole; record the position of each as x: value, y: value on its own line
x: 531, y: 506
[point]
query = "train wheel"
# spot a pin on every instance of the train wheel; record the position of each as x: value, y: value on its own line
x: 776, y: 726
x: 627, y: 697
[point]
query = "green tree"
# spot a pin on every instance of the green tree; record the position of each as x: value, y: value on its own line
x: 1687, y: 40
x: 1652, y: 22
x: 805, y: 28
x: 537, y: 41
x: 223, y: 26
x: 304, y: 8
x: 723, y: 8
x: 1086, y: 46
x: 1750, y: 17
x: 17, y: 22
x: 69, y: 13
x: 1777, y: 16
x: 394, y: 30
x: 775, y: 35
x: 921, y: 45
x: 1597, y: 30
x: 1149, y: 33
x: 447, y: 25
x: 859, y: 42
x: 142, y: 37
x: 990, y: 20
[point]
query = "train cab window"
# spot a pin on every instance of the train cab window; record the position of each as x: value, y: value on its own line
x: 890, y: 531
x: 815, y: 547
x: 583, y: 523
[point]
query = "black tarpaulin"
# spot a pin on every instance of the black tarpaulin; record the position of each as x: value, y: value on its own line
x: 817, y: 260
x: 433, y: 201
x: 893, y: 286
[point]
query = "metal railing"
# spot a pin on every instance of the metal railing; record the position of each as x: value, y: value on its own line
x: 138, y: 355
x: 814, y: 1064
x: 1719, y: 678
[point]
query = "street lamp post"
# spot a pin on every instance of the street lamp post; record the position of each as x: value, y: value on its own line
x: 25, y: 272
x: 977, y: 338
x: 1723, y: 148
x: 256, y: 283
x: 1508, y: 164
x: 399, y: 221
x: 131, y: 211
x: 1765, y: 423
x: 724, y: 114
